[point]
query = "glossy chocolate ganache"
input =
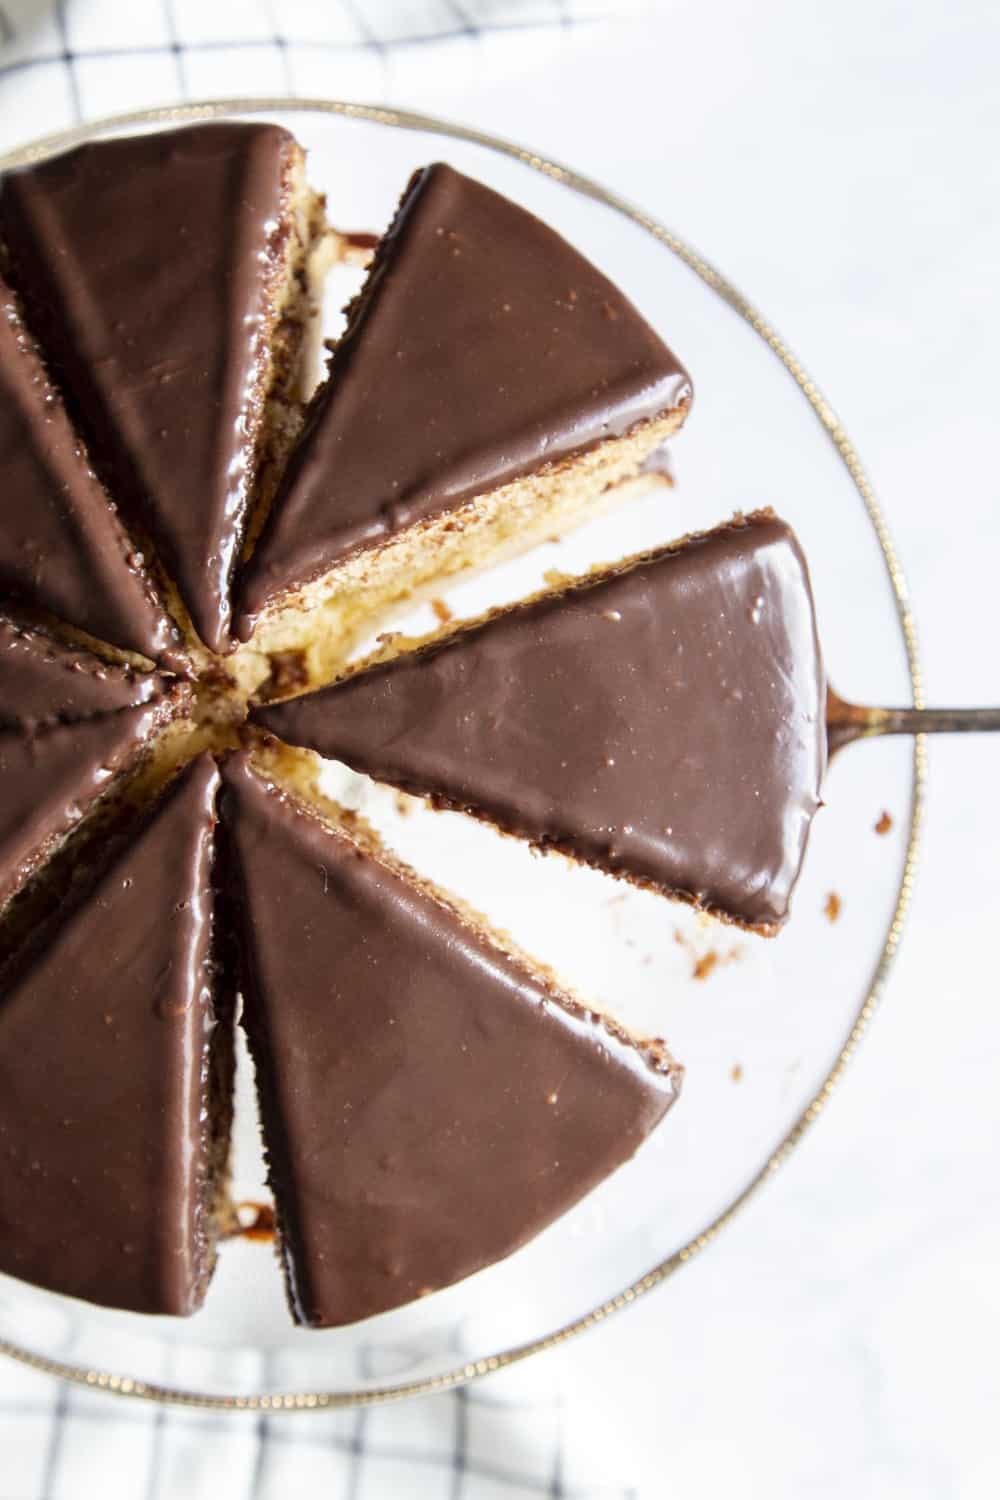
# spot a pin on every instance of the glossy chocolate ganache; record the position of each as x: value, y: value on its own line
x: 148, y: 267
x: 429, y: 1102
x: 109, y: 1038
x: 664, y: 722
x: 482, y: 348
x: 62, y: 547
x: 70, y: 724
x: 431, y: 1097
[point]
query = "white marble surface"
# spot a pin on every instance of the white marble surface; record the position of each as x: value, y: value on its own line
x: 840, y: 162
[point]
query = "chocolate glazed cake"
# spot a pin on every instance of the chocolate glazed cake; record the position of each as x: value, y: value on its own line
x: 114, y: 1078
x: 430, y: 1100
x: 491, y: 385
x: 664, y: 721
x: 71, y: 727
x: 62, y: 547
x: 165, y: 277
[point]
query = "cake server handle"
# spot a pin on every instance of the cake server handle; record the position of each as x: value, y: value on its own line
x: 847, y: 722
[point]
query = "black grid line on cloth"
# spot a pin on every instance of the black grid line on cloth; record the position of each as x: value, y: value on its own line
x: 57, y: 1433
x: 262, y: 1431
x: 460, y: 1455
x: 155, y: 1453
x: 69, y: 59
x: 281, y: 42
x: 556, y: 1486
x: 356, y: 11
x: 458, y: 20
x: 466, y: 23
x: 176, y: 46
x: 279, y: 1435
x: 357, y: 1450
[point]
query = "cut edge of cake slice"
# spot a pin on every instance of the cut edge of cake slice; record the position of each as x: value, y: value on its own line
x: 714, y: 632
x: 290, y: 370
x: 116, y: 1049
x: 609, y: 393
x: 296, y: 773
x: 276, y: 788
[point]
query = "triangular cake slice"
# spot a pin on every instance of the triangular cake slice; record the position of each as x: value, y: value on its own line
x: 114, y: 1072
x: 62, y: 547
x: 663, y: 721
x: 70, y: 726
x: 490, y: 386
x: 429, y: 1099
x: 163, y: 274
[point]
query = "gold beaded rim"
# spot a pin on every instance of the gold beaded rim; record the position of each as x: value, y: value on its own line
x: 126, y: 1385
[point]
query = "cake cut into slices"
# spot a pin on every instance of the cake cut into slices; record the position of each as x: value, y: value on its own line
x: 70, y: 727
x: 114, y: 1078
x: 663, y: 720
x: 164, y: 275
x: 62, y: 547
x: 429, y: 1099
x: 490, y: 386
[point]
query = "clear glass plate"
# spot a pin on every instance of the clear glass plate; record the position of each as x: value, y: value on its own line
x: 764, y: 1028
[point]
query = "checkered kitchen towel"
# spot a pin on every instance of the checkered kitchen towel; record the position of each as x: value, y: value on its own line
x: 62, y: 61
x: 67, y: 60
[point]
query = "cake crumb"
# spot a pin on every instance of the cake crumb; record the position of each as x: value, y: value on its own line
x: 354, y: 247
x: 736, y: 1072
x: 884, y: 823
x: 556, y: 579
x: 404, y: 804
x: 254, y: 1221
x: 444, y: 614
x: 832, y: 907
x: 289, y: 673
x: 704, y: 965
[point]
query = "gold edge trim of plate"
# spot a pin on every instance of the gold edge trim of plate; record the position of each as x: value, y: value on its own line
x: 124, y: 1385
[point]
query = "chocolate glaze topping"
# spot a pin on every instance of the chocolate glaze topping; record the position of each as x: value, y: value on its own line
x: 43, y: 683
x: 481, y: 347
x: 428, y: 1104
x: 68, y: 723
x: 144, y: 265
x: 665, y: 724
x: 62, y: 548
x: 104, y: 1043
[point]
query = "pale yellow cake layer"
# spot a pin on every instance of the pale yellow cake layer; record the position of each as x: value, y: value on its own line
x: 307, y: 640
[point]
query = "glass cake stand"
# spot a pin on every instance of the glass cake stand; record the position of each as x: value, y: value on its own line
x: 765, y: 1029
